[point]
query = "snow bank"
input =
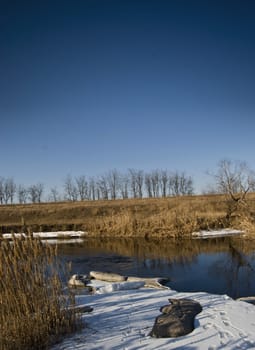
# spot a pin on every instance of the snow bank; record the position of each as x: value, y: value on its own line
x: 216, y: 233
x: 113, y: 287
x: 122, y: 320
x: 47, y: 235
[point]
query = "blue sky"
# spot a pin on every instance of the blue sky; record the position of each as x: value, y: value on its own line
x: 91, y: 85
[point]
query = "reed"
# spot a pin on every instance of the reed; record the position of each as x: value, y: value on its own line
x: 34, y: 312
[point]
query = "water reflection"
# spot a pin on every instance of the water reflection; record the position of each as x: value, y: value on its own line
x: 219, y: 265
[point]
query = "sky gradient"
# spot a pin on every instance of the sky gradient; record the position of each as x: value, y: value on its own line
x: 92, y: 85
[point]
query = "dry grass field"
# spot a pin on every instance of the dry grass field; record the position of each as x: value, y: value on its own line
x: 162, y: 217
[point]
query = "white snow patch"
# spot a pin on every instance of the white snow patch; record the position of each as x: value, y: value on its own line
x: 47, y: 235
x: 122, y: 320
x: 217, y: 233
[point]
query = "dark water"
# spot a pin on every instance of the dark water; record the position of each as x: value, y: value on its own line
x: 218, y: 265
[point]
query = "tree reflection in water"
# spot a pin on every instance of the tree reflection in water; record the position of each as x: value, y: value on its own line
x: 237, y: 268
x: 217, y: 265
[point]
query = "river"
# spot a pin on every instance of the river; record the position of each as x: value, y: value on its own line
x: 215, y: 265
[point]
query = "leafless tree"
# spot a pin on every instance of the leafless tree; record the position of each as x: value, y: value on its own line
x: 235, y: 179
x: 186, y: 185
x: 82, y: 187
x: 155, y: 183
x: 2, y: 190
x: 148, y: 185
x: 136, y: 182
x: 180, y: 184
x: 92, y: 188
x: 54, y: 195
x: 35, y: 193
x: 103, y: 188
x: 22, y: 193
x: 173, y: 183
x: 8, y: 190
x: 163, y: 182
x: 133, y: 182
x: 113, y: 178
x: 124, y: 185
x: 71, y: 192
x: 139, y: 180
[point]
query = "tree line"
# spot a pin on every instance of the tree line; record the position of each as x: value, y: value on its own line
x: 109, y: 186
x: 234, y: 178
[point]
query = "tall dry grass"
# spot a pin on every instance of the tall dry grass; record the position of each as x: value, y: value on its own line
x: 178, y: 220
x: 34, y: 312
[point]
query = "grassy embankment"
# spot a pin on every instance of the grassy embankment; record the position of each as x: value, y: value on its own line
x: 169, y: 217
x: 34, y: 313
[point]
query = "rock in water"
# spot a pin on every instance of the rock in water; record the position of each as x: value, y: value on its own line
x: 177, y: 318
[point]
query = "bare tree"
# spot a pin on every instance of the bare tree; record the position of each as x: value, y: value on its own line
x: 174, y: 188
x: 103, y: 188
x: 124, y: 185
x: 136, y: 182
x: 180, y: 184
x: 2, y: 190
x: 133, y: 183
x: 113, y: 178
x: 163, y: 182
x: 186, y: 185
x: 35, y: 193
x: 139, y: 180
x: 155, y: 183
x: 54, y: 195
x: 82, y: 187
x: 92, y: 188
x: 235, y: 179
x: 8, y: 190
x: 71, y: 192
x: 148, y: 185
x: 22, y: 193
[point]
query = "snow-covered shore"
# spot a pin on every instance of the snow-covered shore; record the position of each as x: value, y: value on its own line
x: 123, y: 319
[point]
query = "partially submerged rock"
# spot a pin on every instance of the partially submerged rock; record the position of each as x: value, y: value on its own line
x: 177, y: 318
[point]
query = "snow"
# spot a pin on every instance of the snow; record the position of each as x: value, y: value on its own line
x: 216, y: 233
x: 47, y: 235
x: 122, y: 320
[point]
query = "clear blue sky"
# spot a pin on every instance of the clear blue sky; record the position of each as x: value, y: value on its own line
x: 91, y: 85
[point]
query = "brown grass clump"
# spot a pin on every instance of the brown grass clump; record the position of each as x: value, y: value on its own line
x: 176, y: 219
x: 34, y: 313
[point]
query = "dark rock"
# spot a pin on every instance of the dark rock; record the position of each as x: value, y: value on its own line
x: 177, y: 318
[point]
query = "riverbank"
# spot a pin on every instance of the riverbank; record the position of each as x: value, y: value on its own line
x: 151, y: 217
x: 123, y: 319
